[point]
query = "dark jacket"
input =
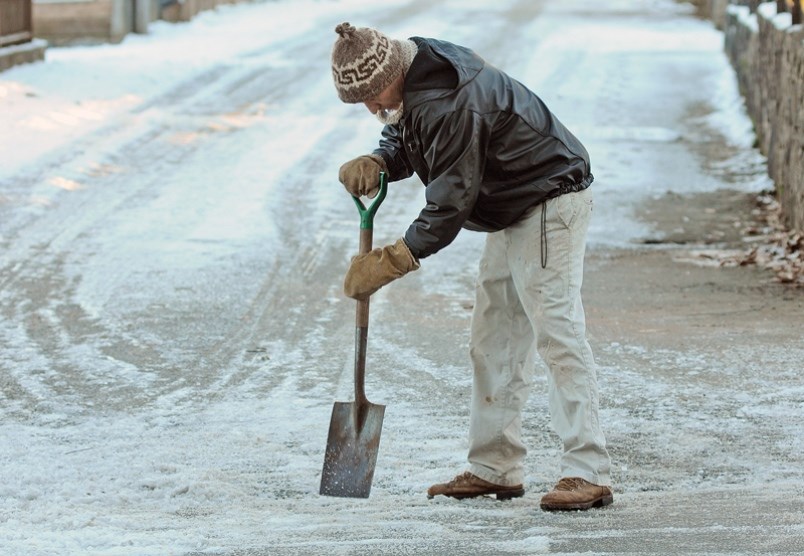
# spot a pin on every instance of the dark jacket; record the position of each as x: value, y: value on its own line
x: 486, y: 147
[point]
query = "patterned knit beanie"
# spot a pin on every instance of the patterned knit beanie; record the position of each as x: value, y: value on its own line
x: 365, y: 62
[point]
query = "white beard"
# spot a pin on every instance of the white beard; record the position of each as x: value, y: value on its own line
x: 390, y: 117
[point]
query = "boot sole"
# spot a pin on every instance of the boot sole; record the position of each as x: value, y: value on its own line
x: 501, y: 495
x: 599, y: 503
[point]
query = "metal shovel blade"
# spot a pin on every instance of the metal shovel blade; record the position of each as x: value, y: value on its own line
x: 352, y: 449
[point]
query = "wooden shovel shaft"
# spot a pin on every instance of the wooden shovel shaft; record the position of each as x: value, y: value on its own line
x: 361, y: 331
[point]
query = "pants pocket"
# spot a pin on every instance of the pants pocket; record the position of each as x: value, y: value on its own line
x: 570, y: 205
x: 566, y: 208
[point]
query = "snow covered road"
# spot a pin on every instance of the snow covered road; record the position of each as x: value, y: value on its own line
x: 173, y: 333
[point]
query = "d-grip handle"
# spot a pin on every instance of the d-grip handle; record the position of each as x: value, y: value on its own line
x: 367, y: 214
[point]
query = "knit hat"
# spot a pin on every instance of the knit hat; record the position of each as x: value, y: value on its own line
x: 365, y: 62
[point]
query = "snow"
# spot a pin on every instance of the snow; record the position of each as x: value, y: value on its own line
x: 746, y: 17
x: 153, y: 467
x: 84, y: 87
x: 780, y: 20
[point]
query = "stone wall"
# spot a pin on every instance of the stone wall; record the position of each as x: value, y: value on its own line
x: 64, y: 22
x: 187, y: 9
x: 781, y: 123
x: 767, y: 53
x: 32, y: 51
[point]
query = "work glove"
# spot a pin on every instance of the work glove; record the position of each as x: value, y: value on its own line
x: 371, y: 271
x: 361, y: 176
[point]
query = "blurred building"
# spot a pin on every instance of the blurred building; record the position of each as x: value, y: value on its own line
x: 28, y: 26
x: 17, y: 43
x: 91, y: 21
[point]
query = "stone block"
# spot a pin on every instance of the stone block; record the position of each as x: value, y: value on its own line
x: 24, y: 53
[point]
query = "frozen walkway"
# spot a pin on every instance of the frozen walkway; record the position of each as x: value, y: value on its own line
x: 173, y: 334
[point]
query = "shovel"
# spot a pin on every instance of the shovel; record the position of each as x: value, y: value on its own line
x: 354, y: 429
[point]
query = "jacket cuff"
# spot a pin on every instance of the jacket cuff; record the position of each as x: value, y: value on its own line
x: 414, y: 260
x: 380, y: 159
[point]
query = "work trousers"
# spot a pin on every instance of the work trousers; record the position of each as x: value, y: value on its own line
x: 528, y: 299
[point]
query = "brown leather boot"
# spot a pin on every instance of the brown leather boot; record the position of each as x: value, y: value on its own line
x: 573, y: 493
x: 468, y: 485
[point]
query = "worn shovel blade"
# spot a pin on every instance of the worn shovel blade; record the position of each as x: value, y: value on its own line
x: 351, y: 450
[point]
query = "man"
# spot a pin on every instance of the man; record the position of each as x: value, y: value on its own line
x: 493, y: 158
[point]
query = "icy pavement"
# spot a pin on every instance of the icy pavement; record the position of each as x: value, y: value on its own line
x: 173, y: 334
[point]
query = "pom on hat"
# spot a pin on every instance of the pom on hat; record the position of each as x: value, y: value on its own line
x: 364, y: 63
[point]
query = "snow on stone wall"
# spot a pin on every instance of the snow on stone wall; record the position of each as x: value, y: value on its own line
x: 767, y: 52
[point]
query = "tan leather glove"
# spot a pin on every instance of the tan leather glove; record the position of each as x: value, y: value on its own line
x: 361, y: 176
x: 373, y: 270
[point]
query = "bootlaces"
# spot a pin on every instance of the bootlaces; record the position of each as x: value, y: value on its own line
x: 569, y: 483
x: 463, y: 479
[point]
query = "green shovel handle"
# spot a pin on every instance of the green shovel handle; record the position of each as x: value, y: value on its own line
x: 367, y: 214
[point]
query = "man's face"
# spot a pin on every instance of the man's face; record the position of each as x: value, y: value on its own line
x: 387, y: 106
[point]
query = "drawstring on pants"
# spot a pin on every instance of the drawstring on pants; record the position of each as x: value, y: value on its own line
x: 543, y: 238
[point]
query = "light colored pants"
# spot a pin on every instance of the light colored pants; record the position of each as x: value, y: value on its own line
x: 520, y: 306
